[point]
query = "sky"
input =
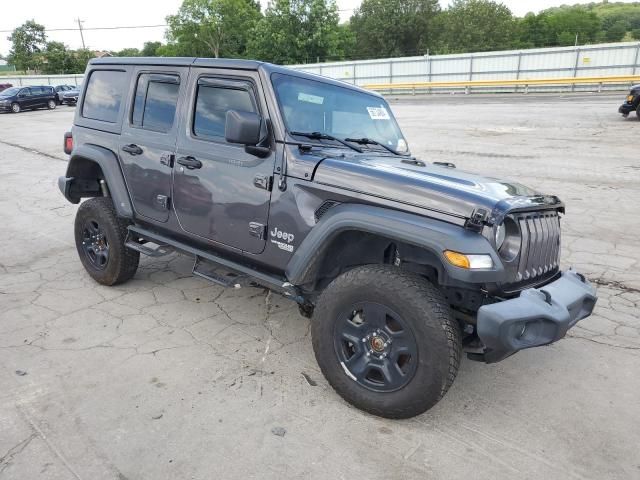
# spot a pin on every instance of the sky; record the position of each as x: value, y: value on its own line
x: 56, y: 15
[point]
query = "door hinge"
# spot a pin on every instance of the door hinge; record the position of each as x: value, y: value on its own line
x: 258, y: 230
x: 167, y: 159
x: 163, y: 201
x: 263, y: 181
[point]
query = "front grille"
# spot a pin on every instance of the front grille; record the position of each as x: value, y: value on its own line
x: 539, y: 257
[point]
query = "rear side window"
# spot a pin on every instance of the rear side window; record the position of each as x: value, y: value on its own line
x: 154, y: 107
x: 36, y: 90
x: 213, y: 103
x: 104, y: 95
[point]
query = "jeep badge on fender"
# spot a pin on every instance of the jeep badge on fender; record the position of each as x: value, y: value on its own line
x: 399, y: 262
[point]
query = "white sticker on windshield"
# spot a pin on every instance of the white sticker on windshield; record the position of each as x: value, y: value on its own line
x: 307, y: 97
x: 378, y: 113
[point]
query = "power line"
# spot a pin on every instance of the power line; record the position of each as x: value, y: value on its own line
x: 84, y: 29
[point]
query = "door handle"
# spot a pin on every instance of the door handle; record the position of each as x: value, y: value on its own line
x: 190, y: 162
x: 132, y: 149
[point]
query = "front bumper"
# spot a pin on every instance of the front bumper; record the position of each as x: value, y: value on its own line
x: 626, y: 108
x: 539, y: 316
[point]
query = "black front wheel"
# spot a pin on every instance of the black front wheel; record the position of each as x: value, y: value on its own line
x: 100, y: 240
x: 638, y: 112
x: 386, y: 341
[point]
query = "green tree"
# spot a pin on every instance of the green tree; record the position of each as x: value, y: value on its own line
x: 477, y: 26
x: 150, y: 48
x: 395, y: 27
x: 296, y: 31
x: 213, y: 28
x: 559, y: 27
x: 27, y: 43
x: 57, y: 59
x: 128, y: 52
x: 78, y: 59
x: 168, y: 50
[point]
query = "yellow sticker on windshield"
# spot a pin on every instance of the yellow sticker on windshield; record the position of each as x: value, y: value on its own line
x: 378, y: 113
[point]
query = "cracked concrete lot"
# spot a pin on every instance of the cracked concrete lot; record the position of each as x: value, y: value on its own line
x: 170, y: 377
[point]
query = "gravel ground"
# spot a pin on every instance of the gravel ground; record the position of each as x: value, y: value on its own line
x: 170, y: 377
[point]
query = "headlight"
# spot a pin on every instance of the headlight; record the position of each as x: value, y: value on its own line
x: 468, y: 262
x: 630, y: 98
x: 508, y: 239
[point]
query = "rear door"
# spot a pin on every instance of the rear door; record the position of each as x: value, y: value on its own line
x: 222, y: 193
x: 148, y: 139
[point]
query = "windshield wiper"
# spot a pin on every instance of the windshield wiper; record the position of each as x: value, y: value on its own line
x: 325, y: 136
x: 368, y: 141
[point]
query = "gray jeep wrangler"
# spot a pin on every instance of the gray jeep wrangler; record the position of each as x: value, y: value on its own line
x: 305, y: 185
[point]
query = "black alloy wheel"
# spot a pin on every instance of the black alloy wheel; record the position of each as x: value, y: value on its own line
x: 95, y: 244
x: 376, y: 347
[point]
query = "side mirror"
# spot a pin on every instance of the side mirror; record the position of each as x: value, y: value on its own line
x: 242, y: 127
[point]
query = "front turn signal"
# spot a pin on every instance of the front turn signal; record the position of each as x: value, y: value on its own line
x: 468, y: 262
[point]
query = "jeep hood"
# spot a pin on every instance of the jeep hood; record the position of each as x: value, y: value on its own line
x: 437, y: 188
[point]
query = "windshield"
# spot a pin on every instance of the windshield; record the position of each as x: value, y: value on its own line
x: 316, y: 106
x: 9, y: 92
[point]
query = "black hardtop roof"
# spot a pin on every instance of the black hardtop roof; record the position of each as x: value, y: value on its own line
x: 230, y: 63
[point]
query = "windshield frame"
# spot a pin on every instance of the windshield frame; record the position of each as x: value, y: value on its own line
x: 348, y: 88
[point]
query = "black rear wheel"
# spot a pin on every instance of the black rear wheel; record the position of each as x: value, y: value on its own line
x: 51, y: 104
x: 386, y: 341
x: 100, y: 237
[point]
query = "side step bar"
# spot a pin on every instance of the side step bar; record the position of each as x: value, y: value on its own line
x: 159, y: 251
x: 208, y: 271
x: 205, y: 264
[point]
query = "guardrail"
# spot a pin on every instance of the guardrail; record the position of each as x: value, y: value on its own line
x: 524, y: 82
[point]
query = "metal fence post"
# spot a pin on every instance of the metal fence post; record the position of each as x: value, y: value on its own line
x: 468, y: 89
x: 635, y: 64
x: 390, y: 74
x: 354, y: 73
x: 518, y: 70
x: 575, y: 68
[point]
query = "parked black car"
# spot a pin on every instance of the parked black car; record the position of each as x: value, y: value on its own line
x: 16, y: 99
x: 632, y: 102
x: 61, y: 90
x: 70, y: 97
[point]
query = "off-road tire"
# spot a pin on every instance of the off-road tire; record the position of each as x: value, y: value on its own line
x: 422, y: 307
x: 52, y: 104
x: 15, y: 108
x: 638, y: 112
x: 122, y: 262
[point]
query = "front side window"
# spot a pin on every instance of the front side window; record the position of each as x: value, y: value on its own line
x: 104, y: 95
x: 154, y: 107
x: 315, y: 106
x: 214, y: 101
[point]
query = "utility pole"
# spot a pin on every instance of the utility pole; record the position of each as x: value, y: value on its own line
x: 81, y: 35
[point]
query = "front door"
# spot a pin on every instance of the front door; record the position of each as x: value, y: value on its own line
x: 221, y: 192
x: 30, y: 98
x: 147, y: 143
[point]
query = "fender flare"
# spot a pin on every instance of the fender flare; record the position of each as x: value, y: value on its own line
x: 430, y: 234
x: 110, y: 166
